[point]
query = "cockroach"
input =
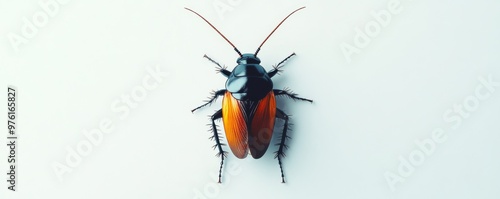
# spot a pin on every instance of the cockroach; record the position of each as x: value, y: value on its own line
x: 249, y: 105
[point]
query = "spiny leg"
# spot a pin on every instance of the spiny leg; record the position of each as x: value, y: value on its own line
x: 290, y: 94
x: 221, y: 69
x: 276, y: 69
x: 284, y: 60
x: 211, y: 99
x: 282, y: 145
x: 218, y: 115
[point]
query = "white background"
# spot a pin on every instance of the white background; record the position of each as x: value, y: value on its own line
x: 367, y: 113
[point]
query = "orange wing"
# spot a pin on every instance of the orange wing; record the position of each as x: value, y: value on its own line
x: 262, y: 125
x: 235, y: 126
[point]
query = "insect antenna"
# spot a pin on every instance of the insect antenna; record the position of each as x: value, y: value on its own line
x: 235, y: 49
x: 258, y: 49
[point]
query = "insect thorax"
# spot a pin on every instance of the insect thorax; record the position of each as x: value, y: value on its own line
x: 249, y: 82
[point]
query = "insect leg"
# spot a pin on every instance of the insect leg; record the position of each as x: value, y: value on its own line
x: 218, y: 115
x: 290, y: 94
x: 276, y: 69
x: 211, y: 99
x: 282, y: 146
x: 219, y: 68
